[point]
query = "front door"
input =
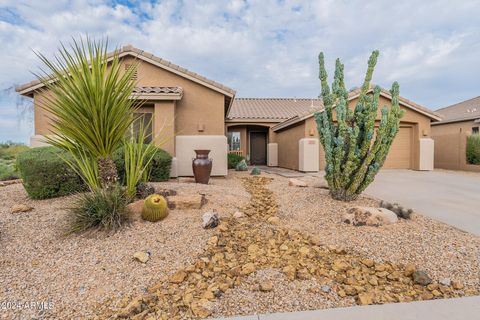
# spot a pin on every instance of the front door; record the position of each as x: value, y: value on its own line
x: 258, y: 148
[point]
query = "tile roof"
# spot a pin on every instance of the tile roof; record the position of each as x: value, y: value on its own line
x: 462, y: 111
x: 162, y: 90
x: 278, y: 109
x: 130, y: 50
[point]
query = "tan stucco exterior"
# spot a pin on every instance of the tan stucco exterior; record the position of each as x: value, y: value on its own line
x: 415, y: 122
x: 200, y: 110
x: 451, y: 143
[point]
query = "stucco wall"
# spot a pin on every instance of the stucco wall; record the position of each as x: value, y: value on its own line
x: 450, y: 152
x: 419, y: 123
x: 456, y: 127
x: 199, y: 106
x: 288, y: 145
x: 201, y: 110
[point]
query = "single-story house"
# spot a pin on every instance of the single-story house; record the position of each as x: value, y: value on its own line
x: 199, y: 113
x: 450, y: 134
x: 286, y: 129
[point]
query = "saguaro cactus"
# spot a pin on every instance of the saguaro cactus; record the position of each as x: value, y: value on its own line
x: 352, y: 160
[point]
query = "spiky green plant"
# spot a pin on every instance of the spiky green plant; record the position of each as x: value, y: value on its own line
x: 138, y: 156
x: 88, y: 98
x: 352, y: 160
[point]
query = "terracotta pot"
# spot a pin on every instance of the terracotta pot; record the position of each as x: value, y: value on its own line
x: 202, y: 166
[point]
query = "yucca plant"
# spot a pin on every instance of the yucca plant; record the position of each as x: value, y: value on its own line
x: 90, y: 106
x: 353, y: 152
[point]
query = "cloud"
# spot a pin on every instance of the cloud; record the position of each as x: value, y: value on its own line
x: 265, y: 47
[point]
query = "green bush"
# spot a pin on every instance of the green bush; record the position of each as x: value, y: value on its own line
x: 103, y: 209
x: 233, y: 160
x: 46, y: 175
x: 159, y: 166
x: 473, y: 149
x: 8, y: 154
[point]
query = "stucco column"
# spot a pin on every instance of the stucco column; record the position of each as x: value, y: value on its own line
x: 164, y: 125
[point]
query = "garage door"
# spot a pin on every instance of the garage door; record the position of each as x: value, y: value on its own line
x: 400, y: 155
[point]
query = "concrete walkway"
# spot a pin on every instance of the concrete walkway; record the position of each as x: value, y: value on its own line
x: 445, y: 309
x: 448, y: 196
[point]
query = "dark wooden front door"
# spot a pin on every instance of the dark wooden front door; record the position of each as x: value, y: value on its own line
x: 258, y: 148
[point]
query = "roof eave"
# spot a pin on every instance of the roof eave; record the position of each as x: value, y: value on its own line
x: 28, y: 88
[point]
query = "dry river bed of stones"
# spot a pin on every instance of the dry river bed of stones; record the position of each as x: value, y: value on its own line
x: 255, y: 264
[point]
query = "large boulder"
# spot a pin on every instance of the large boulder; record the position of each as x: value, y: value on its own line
x: 297, y: 183
x: 194, y: 201
x: 369, y: 216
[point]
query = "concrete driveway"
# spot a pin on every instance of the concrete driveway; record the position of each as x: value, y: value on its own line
x: 448, y: 196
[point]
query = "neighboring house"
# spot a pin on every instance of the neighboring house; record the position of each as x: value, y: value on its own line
x: 198, y: 113
x: 450, y: 134
x: 287, y: 127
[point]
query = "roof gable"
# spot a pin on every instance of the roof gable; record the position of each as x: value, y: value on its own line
x: 355, y: 94
x: 28, y: 88
x: 462, y: 111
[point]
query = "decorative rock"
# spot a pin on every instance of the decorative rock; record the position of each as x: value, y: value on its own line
x: 200, y: 309
x: 457, y: 285
x: 248, y: 268
x: 297, y: 183
x: 210, y: 219
x: 400, y: 211
x: 266, y: 286
x: 241, y: 166
x: 365, y: 298
x: 135, y: 209
x: 20, y: 208
x: 255, y: 171
x: 409, y: 269
x: 368, y: 262
x: 165, y: 192
x: 445, y: 281
x: 360, y: 216
x: 325, y: 288
x: 178, y: 277
x: 132, y: 309
x: 320, y: 185
x: 273, y: 220
x: 144, y: 190
x: 238, y: 215
x: 421, y: 277
x: 195, y: 201
x: 141, y: 256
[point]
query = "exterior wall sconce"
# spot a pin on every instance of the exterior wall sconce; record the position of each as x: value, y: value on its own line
x: 201, y: 127
x: 311, y: 132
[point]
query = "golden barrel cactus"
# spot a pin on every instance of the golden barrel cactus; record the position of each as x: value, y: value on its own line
x: 154, y: 208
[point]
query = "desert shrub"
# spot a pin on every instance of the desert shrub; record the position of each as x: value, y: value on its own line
x: 101, y: 209
x: 473, y: 149
x: 46, y: 175
x: 8, y: 154
x: 159, y: 169
x: 233, y: 160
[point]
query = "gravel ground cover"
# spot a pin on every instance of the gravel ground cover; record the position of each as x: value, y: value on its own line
x: 76, y: 273
x: 88, y: 275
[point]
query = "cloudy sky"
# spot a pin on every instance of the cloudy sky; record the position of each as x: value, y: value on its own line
x: 261, y: 48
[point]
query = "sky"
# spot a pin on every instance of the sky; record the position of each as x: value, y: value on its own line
x: 260, y: 48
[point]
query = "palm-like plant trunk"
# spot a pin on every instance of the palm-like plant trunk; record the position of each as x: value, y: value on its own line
x: 107, y: 172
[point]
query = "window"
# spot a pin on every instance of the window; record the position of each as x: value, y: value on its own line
x: 233, y: 141
x: 475, y: 130
x: 142, y: 119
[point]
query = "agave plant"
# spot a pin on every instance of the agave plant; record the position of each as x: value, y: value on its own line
x: 89, y: 100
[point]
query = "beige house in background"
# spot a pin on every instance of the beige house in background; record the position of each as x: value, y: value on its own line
x: 458, y: 122
x: 199, y: 113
